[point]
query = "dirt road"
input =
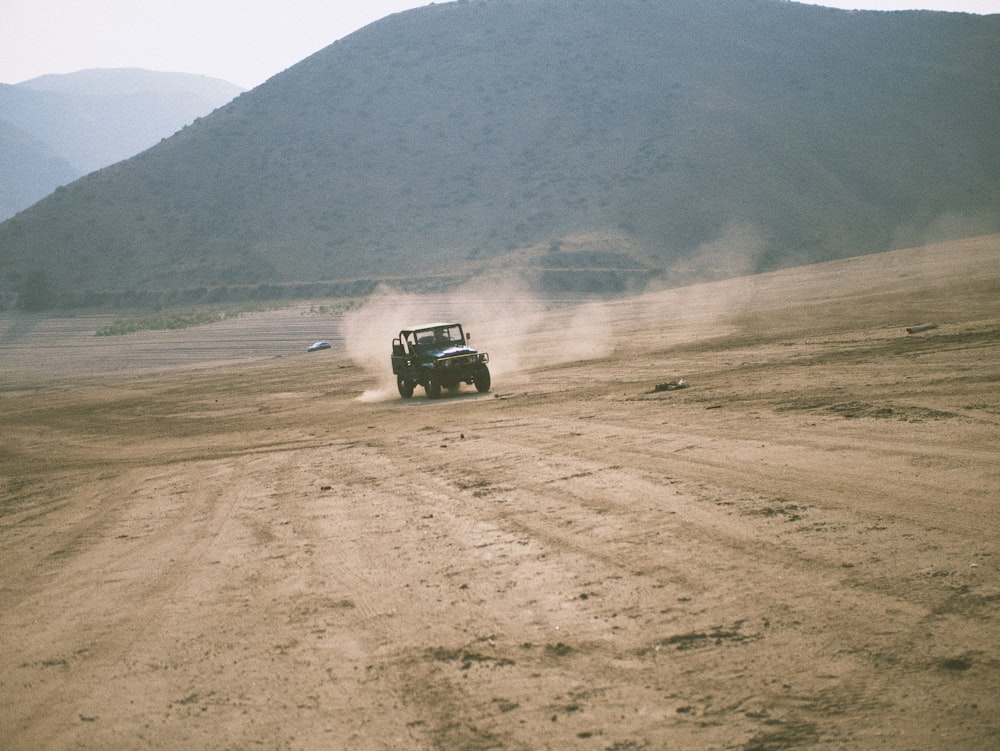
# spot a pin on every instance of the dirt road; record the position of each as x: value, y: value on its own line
x: 799, y: 550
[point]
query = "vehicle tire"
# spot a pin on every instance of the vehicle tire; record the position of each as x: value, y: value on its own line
x: 433, y: 387
x: 405, y: 387
x: 481, y: 377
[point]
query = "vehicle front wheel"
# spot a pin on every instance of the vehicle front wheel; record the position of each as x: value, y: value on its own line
x: 481, y: 377
x: 433, y: 387
x: 405, y: 387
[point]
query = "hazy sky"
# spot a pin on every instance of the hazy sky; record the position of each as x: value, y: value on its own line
x: 242, y: 41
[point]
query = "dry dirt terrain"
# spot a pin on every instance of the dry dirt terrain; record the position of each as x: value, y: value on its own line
x: 212, y: 539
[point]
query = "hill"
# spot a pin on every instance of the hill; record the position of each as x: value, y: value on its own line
x: 57, y: 128
x: 592, y: 145
x: 29, y: 169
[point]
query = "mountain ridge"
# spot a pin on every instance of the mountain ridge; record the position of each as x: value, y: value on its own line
x: 90, y: 119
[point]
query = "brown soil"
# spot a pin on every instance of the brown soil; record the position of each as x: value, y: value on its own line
x: 209, y: 546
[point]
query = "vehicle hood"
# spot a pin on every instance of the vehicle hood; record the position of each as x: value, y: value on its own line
x: 449, y: 351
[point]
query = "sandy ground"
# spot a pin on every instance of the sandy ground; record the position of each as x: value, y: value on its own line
x: 208, y: 545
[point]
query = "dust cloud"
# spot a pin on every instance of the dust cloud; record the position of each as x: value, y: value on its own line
x: 506, y: 317
x: 944, y: 227
x: 710, y: 293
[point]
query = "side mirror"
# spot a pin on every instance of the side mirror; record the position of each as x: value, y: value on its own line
x: 468, y: 337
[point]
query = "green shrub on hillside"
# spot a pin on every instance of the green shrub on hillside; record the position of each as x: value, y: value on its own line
x: 166, y: 322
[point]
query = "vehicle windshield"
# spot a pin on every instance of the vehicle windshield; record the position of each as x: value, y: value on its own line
x: 440, y: 336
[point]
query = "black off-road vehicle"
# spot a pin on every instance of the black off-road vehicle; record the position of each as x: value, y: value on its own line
x: 436, y: 356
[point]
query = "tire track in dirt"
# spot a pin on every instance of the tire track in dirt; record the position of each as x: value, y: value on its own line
x: 237, y: 540
x: 129, y: 555
x: 484, y: 566
x: 575, y: 521
x: 791, y: 501
x: 556, y: 550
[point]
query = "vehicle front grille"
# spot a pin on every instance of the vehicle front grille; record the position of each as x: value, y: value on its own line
x: 460, y: 361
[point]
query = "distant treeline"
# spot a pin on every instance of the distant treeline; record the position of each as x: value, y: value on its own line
x: 36, y: 296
